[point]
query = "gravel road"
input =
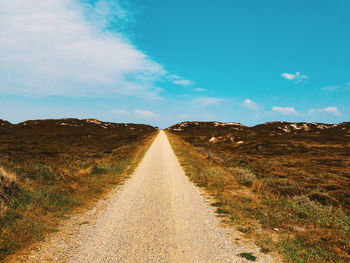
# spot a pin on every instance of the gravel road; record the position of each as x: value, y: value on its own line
x: 156, y: 216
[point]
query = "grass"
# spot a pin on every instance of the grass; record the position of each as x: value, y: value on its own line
x: 37, y: 193
x: 248, y: 256
x: 295, y: 226
x: 8, y: 185
x: 244, y: 229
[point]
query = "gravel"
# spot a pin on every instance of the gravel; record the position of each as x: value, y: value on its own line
x: 156, y: 216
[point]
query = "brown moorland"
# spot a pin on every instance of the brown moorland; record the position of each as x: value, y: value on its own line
x: 50, y: 167
x: 285, y: 184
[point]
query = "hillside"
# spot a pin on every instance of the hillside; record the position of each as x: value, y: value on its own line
x: 293, y: 177
x: 49, y: 167
x: 52, y: 138
x: 282, y: 149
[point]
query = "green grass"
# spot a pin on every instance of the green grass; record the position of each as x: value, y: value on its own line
x: 222, y: 211
x: 244, y: 229
x: 300, y: 251
x: 248, y: 256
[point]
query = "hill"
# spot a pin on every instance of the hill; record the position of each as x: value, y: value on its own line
x: 287, y: 184
x: 50, y: 167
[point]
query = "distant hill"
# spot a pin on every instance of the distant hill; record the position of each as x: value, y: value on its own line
x: 237, y: 132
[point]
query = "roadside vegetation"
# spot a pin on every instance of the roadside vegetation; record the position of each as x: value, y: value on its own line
x: 51, y: 168
x: 300, y: 221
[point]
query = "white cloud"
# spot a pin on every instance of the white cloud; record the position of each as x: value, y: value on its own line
x: 330, y: 88
x: 180, y: 81
x: 145, y: 113
x: 330, y: 110
x: 184, y: 116
x: 183, y: 82
x: 297, y: 77
x: 285, y: 110
x: 52, y: 48
x: 250, y: 104
x: 199, y: 89
x: 209, y: 100
x: 120, y: 112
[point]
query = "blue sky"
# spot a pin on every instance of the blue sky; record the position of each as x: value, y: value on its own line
x: 161, y: 62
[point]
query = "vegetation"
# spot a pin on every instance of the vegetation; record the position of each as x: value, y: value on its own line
x: 47, y: 171
x: 248, y: 256
x: 303, y: 225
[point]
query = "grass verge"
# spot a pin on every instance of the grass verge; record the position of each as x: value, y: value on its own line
x: 40, y: 194
x: 299, y: 229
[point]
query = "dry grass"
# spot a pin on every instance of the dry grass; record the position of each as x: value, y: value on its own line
x: 244, y: 176
x: 45, y: 176
x: 300, y: 229
x: 8, y: 185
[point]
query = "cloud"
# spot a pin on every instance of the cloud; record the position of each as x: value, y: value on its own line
x: 183, y: 82
x: 199, y: 89
x: 296, y: 78
x: 145, y: 113
x: 285, y: 110
x: 331, y: 88
x: 120, y: 112
x: 250, y: 104
x: 336, y: 87
x: 180, y: 81
x: 57, y: 48
x: 209, y: 100
x: 330, y: 110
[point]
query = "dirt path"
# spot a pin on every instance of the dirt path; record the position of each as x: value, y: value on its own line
x: 156, y: 216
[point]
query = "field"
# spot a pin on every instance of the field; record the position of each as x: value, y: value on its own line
x: 49, y: 168
x: 287, y: 185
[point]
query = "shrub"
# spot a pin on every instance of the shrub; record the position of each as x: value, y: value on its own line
x: 98, y: 170
x: 248, y: 256
x: 245, y: 176
x: 8, y: 183
x: 244, y: 229
x: 304, y: 202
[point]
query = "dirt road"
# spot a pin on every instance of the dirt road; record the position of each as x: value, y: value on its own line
x: 156, y: 216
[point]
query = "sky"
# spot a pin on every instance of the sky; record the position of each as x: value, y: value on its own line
x: 161, y: 62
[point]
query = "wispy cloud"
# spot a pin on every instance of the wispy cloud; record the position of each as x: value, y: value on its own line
x: 199, y: 89
x: 250, y: 104
x: 296, y: 78
x: 53, y: 48
x: 285, y: 110
x: 183, y: 82
x: 330, y: 110
x: 330, y: 88
x: 120, y: 112
x: 209, y: 100
x: 145, y: 113
x: 180, y: 81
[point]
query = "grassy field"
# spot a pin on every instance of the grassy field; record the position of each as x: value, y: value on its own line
x: 50, y: 168
x: 277, y: 207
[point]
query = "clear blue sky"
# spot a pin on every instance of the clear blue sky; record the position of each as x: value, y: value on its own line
x: 161, y: 62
